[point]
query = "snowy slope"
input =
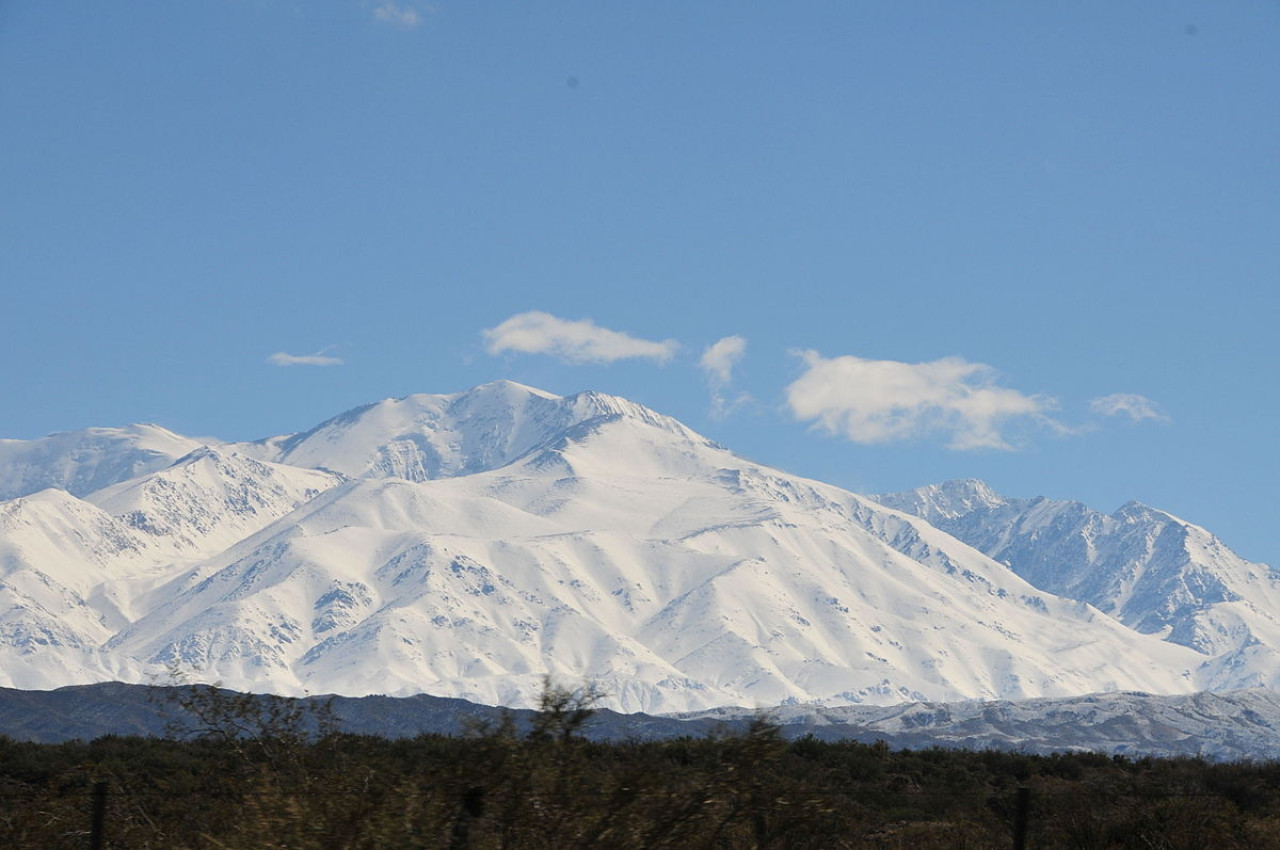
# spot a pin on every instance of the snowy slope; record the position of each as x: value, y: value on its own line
x: 1153, y: 571
x: 73, y: 571
x: 54, y: 550
x: 56, y: 554
x: 81, y: 462
x: 210, y: 499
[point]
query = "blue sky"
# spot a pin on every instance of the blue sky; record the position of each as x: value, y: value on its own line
x: 877, y: 244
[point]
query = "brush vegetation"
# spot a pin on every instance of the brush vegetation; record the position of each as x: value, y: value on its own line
x: 253, y: 773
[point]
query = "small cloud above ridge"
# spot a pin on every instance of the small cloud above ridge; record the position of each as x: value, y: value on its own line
x: 1134, y: 406
x: 883, y: 401
x: 717, y: 364
x: 581, y: 341
x: 397, y: 14
x: 319, y: 358
x: 720, y: 357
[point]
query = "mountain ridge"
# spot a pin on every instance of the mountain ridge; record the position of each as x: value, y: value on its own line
x: 1150, y: 569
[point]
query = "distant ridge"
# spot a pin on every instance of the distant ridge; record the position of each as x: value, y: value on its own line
x: 1228, y: 726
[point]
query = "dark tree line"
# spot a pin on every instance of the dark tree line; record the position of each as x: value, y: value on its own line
x: 254, y: 773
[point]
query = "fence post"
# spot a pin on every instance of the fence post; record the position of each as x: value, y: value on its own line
x: 471, y: 807
x: 99, y: 816
x: 1020, y: 818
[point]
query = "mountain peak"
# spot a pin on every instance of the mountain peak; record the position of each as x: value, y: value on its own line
x: 947, y: 500
x: 423, y: 437
x: 81, y: 462
x: 971, y: 489
x: 506, y: 388
x: 1134, y: 511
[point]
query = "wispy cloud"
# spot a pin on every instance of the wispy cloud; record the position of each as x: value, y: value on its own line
x: 1136, y: 407
x: 881, y: 401
x: 581, y: 341
x: 397, y: 14
x: 719, y: 359
x: 717, y: 363
x: 319, y: 358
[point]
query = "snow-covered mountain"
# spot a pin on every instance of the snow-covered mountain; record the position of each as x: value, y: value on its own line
x: 1156, y: 573
x: 468, y: 544
x: 81, y: 462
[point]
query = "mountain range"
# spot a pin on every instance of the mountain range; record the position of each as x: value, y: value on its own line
x: 468, y: 545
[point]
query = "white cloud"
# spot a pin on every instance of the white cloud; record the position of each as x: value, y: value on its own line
x: 576, y: 342
x: 280, y: 358
x: 720, y: 358
x: 717, y: 364
x: 880, y: 401
x: 1136, y: 407
x: 397, y: 14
